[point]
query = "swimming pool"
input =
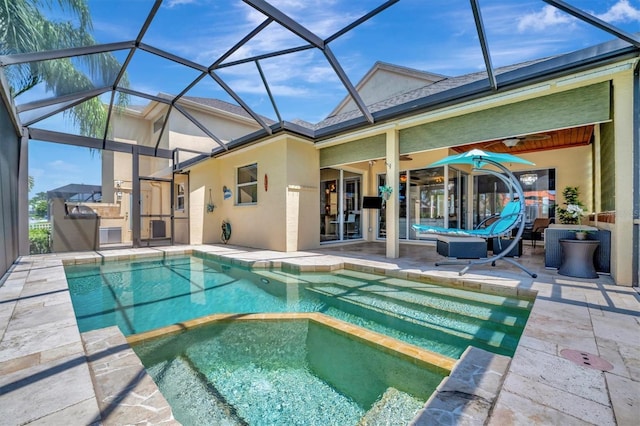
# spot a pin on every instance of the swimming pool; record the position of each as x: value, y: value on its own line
x: 138, y: 296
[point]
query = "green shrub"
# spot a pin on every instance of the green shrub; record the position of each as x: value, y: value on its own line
x: 39, y: 241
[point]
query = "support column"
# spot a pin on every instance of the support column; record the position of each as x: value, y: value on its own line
x: 135, y: 197
x: 23, y: 196
x: 392, y: 211
x: 622, y: 238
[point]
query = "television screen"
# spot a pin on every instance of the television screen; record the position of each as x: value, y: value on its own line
x: 371, y: 202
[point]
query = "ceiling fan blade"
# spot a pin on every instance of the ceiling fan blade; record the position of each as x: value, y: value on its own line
x: 537, y: 137
x: 492, y: 144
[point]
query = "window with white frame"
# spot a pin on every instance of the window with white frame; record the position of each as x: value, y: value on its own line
x: 247, y: 184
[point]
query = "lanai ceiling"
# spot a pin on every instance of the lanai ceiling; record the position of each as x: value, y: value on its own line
x: 288, y: 63
x: 555, y: 139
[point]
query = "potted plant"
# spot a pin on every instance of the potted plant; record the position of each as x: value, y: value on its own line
x: 574, y: 210
x: 581, y: 235
x: 210, y: 205
x: 385, y: 192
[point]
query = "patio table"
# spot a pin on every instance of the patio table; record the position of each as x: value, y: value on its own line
x: 577, y: 258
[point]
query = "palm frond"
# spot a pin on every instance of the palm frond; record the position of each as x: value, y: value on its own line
x: 23, y: 28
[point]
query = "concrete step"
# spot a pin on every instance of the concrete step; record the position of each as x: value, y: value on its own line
x: 415, y: 322
x: 393, y: 407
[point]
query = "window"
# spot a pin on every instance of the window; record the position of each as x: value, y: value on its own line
x: 180, y: 196
x: 247, y: 184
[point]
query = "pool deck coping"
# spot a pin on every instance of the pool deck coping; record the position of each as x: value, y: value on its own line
x: 45, y: 376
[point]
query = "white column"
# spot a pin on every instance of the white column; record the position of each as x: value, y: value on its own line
x: 622, y: 239
x: 393, y: 167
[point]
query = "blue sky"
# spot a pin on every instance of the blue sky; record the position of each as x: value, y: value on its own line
x: 436, y: 36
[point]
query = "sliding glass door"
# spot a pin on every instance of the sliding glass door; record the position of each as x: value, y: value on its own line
x: 340, y: 205
x: 539, y: 190
x: 431, y: 196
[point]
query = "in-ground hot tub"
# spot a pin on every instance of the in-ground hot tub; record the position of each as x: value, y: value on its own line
x: 287, y: 369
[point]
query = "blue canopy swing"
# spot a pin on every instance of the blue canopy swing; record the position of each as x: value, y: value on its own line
x: 510, y: 218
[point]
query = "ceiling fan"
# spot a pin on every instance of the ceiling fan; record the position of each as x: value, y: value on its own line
x: 513, y: 141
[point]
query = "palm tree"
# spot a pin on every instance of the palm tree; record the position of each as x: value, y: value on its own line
x: 24, y: 29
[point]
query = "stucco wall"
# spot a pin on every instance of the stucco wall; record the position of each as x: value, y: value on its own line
x: 185, y: 134
x: 131, y: 129
x: 573, y: 168
x: 285, y: 218
x: 303, y: 196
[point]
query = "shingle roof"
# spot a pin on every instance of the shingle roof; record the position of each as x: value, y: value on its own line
x: 225, y: 106
x: 209, y: 102
x: 446, y: 83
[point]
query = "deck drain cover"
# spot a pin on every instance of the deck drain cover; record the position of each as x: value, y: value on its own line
x: 586, y: 359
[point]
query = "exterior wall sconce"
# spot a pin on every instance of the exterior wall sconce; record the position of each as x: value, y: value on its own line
x: 226, y: 192
x: 118, y: 186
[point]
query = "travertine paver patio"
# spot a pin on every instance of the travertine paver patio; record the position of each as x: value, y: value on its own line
x: 46, y: 376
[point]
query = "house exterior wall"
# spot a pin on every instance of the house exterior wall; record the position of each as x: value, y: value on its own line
x: 303, y: 196
x: 130, y: 128
x: 183, y: 133
x: 204, y: 177
x: 285, y: 218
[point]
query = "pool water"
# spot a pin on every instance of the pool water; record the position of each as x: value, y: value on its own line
x: 285, y: 372
x: 138, y: 296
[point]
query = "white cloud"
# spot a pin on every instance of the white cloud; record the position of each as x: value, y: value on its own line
x: 621, y: 12
x: 548, y: 17
x: 174, y: 3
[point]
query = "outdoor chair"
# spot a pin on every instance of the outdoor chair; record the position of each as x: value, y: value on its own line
x: 536, y: 231
x: 511, y: 217
x: 350, y: 224
x: 495, y: 226
x: 501, y: 226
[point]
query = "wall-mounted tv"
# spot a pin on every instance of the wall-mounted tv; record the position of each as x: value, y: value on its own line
x: 371, y: 202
